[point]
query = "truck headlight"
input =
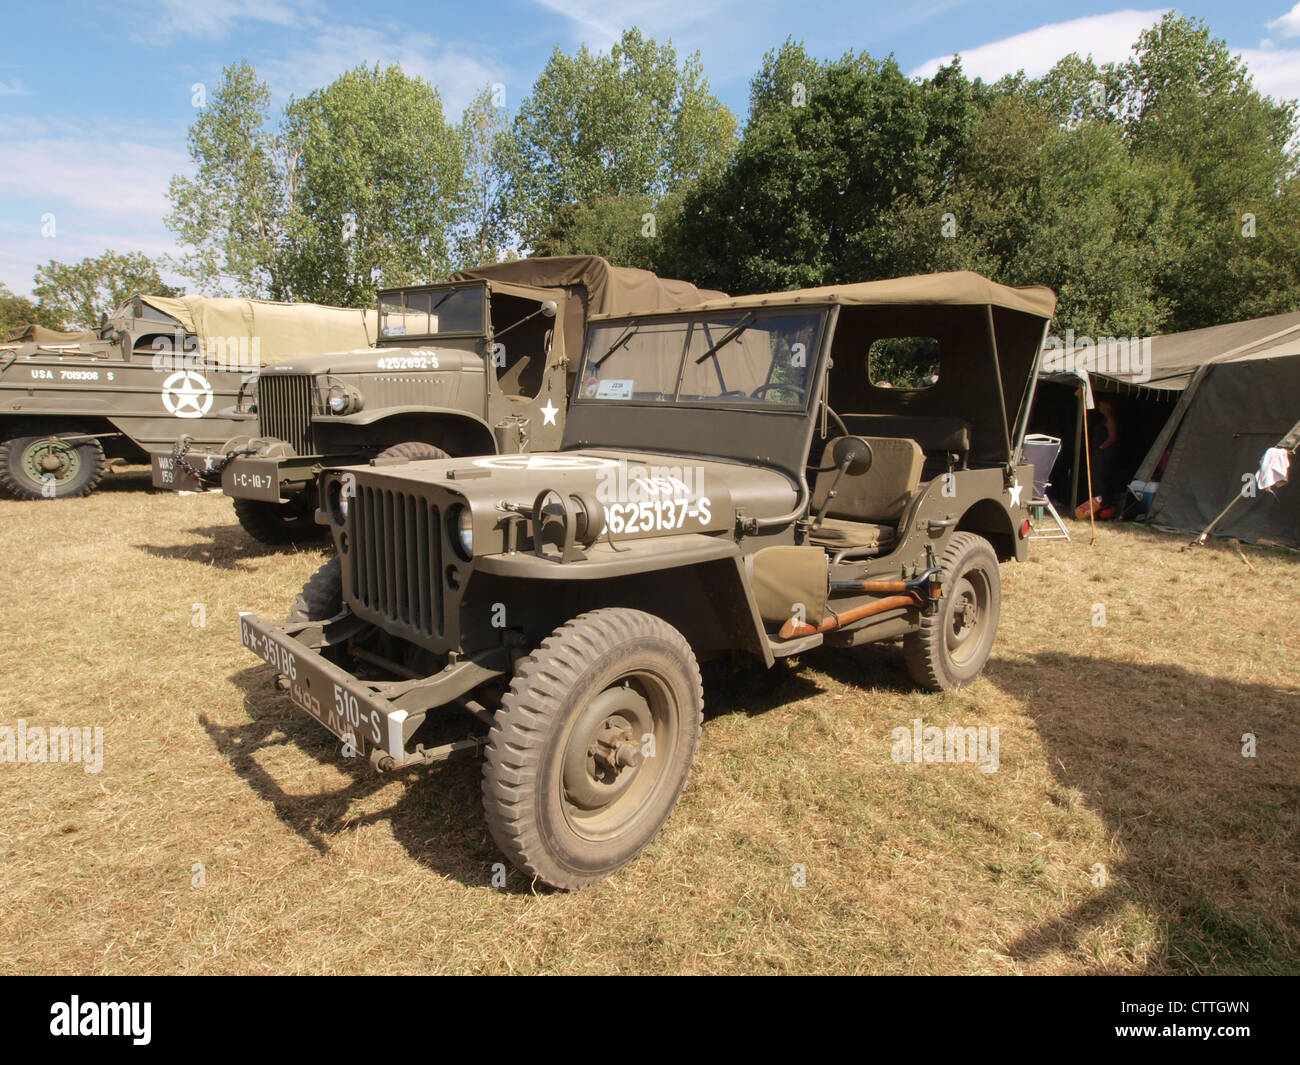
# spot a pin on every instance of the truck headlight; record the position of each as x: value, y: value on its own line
x: 462, y: 528
x: 343, y: 400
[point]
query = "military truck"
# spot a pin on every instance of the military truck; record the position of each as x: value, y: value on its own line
x: 476, y: 366
x: 734, y: 484
x: 72, y: 403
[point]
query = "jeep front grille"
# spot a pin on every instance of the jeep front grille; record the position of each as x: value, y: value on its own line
x: 397, y: 559
x: 284, y: 408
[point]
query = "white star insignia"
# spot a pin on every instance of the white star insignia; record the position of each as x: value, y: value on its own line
x: 187, y: 394
x: 1015, y: 491
x: 549, y: 412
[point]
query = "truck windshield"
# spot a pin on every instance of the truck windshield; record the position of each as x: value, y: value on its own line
x: 745, y: 358
x: 427, y: 312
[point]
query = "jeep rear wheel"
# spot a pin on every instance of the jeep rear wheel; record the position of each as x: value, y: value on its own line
x: 49, y: 465
x: 281, y: 523
x: 592, y: 746
x: 952, y: 645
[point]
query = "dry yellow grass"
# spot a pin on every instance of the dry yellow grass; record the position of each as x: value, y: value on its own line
x: 1120, y: 750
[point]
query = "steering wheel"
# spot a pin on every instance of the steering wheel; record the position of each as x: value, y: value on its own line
x: 762, y: 390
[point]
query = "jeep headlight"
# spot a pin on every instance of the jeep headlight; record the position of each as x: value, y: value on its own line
x: 343, y: 400
x: 462, y: 530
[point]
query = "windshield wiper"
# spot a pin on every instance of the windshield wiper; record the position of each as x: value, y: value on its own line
x: 627, y: 335
x: 727, y: 337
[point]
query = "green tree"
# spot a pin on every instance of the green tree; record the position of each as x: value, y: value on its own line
x: 15, y: 311
x: 230, y: 213
x: 609, y: 133
x: 1033, y: 200
x: 79, y: 293
x: 1189, y: 102
x: 377, y: 189
x: 483, y: 236
x: 801, y: 200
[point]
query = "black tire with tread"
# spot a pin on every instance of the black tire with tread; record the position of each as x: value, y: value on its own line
x: 926, y: 651
x: 279, y: 524
x: 523, y: 794
x: 413, y: 450
x: 16, y: 482
x: 322, y: 596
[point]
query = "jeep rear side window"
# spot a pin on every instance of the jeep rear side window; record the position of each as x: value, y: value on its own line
x: 742, y: 358
x: 903, y: 362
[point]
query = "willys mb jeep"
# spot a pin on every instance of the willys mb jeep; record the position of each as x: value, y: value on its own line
x: 70, y: 403
x: 478, y: 366
x: 734, y: 483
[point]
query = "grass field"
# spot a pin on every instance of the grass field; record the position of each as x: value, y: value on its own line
x: 1123, y: 831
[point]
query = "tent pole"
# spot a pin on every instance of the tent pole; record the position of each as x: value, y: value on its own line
x: 1087, y: 458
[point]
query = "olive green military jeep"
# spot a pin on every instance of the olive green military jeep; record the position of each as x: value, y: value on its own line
x: 735, y: 483
x: 480, y: 365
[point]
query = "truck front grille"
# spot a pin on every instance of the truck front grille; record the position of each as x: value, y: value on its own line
x: 397, y: 560
x: 284, y: 409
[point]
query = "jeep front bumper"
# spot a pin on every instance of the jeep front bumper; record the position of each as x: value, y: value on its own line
x: 372, y: 717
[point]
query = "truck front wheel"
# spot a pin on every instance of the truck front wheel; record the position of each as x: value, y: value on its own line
x: 592, y: 746
x: 281, y: 523
x: 58, y: 464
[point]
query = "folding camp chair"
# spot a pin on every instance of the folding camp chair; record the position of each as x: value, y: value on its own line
x: 1040, y: 452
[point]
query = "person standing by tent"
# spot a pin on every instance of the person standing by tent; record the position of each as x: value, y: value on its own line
x: 1105, y: 456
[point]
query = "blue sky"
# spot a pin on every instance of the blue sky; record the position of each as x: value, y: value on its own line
x: 95, y: 97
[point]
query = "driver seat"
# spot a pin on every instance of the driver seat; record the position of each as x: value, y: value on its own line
x: 866, y: 508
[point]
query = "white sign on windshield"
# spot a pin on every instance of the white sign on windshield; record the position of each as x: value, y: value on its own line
x: 615, y: 389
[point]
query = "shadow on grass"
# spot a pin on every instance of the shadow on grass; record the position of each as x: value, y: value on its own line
x: 224, y: 547
x: 132, y: 479
x: 437, y: 816
x: 1211, y: 838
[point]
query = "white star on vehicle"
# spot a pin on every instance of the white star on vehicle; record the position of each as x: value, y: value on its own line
x: 1015, y: 491
x: 187, y: 394
x: 549, y: 412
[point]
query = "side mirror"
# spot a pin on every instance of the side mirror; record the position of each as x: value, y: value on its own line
x: 852, y: 454
x: 549, y: 307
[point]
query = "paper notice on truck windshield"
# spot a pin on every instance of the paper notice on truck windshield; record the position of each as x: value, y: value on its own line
x: 615, y: 389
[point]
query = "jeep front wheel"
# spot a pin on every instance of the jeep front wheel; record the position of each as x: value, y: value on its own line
x: 54, y: 465
x: 592, y: 746
x: 281, y: 523
x: 952, y: 645
x: 415, y: 450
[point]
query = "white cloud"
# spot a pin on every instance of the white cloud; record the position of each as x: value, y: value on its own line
x: 14, y: 88
x: 215, y: 19
x: 1287, y: 25
x: 1276, y: 71
x: 1107, y: 38
x: 105, y: 186
x: 605, y: 20
x: 457, y: 75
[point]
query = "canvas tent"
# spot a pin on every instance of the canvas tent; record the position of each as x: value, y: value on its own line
x: 1199, y: 409
x: 282, y: 330
x: 45, y: 337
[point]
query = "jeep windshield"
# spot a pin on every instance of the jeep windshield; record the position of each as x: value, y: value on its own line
x: 746, y: 358
x: 432, y: 311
